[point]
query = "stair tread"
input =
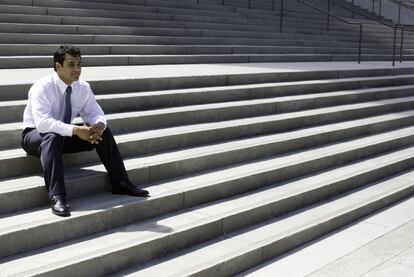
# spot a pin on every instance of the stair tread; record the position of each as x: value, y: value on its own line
x: 245, y: 169
x: 33, y: 181
x: 229, y: 246
x: 230, y: 88
x: 146, y: 134
x: 240, y: 103
x: 126, y: 236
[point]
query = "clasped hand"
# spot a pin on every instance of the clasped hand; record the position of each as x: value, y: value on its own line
x: 90, y: 133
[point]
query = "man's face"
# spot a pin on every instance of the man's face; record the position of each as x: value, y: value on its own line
x: 70, y: 71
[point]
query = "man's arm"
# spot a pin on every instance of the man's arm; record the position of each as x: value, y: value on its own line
x: 42, y: 114
x: 91, y: 113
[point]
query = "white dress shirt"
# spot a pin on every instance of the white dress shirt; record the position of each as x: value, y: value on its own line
x: 45, y: 106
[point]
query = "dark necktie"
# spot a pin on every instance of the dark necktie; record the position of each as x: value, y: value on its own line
x: 67, y: 115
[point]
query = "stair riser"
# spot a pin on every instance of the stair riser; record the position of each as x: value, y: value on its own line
x: 105, y: 39
x: 135, y: 103
x: 279, y: 208
x: 154, y: 101
x: 127, y: 256
x: 228, y: 113
x: 70, y: 8
x: 75, y: 17
x: 99, y: 182
x: 273, y: 20
x: 39, y: 50
x: 259, y: 180
x: 11, y: 138
x: 278, y: 246
x: 19, y: 92
x: 19, y: 241
x: 37, y: 196
x: 195, y: 32
x: 44, y: 62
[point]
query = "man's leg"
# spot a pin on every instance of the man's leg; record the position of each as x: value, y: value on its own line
x: 111, y: 158
x: 108, y: 152
x: 48, y: 147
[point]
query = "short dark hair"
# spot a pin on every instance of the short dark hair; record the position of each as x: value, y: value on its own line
x: 59, y: 56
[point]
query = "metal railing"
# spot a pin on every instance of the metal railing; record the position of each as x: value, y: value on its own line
x: 329, y: 15
x: 353, y: 10
x: 249, y: 3
x: 394, y: 27
x: 400, y: 3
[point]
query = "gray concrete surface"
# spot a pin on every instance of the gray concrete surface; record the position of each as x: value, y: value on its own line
x: 378, y: 245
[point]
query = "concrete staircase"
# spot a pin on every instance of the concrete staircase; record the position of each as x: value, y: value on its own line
x: 240, y: 170
x: 170, y: 32
x: 243, y: 161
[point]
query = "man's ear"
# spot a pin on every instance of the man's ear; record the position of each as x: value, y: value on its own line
x: 58, y: 65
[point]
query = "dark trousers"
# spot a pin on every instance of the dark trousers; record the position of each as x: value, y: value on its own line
x: 50, y: 147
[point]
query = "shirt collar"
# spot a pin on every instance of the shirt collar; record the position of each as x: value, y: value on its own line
x: 60, y: 84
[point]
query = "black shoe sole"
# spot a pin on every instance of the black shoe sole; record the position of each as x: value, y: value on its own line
x: 63, y: 214
x: 130, y: 193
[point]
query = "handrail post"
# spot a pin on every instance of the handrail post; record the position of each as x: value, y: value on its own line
x: 249, y: 4
x: 373, y: 6
x: 222, y: 2
x: 401, y: 46
x: 393, y: 49
x: 328, y: 16
x: 353, y: 7
x: 281, y: 16
x: 273, y: 5
x: 380, y: 9
x: 399, y: 13
x: 360, y: 43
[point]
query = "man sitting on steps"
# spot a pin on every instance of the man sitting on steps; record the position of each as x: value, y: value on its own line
x: 48, y: 133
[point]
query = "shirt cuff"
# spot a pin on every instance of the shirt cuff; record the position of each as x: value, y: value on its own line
x: 68, y: 130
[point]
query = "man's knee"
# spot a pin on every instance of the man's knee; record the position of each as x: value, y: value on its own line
x: 51, y: 141
x: 107, y: 132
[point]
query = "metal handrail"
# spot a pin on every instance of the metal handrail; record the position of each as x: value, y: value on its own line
x: 329, y: 15
x: 361, y: 13
x: 339, y: 19
x: 400, y: 4
x: 395, y: 27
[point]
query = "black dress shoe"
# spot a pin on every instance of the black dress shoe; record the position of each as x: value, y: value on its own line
x: 127, y: 188
x: 59, y: 205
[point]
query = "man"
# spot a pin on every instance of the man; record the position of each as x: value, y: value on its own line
x: 48, y: 133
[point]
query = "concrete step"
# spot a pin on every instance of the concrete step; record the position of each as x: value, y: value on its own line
x: 49, y: 12
x: 15, y: 163
x: 124, y: 60
x: 189, y: 227
x: 12, y: 111
x: 6, y: 38
x: 11, y: 14
x: 166, y: 7
x: 284, y: 138
x: 142, y: 143
x: 285, y: 40
x: 93, y: 49
x: 203, y: 31
x: 233, y: 252
x: 151, y: 78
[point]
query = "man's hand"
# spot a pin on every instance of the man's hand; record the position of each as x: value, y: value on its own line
x: 96, y: 132
x: 83, y: 132
x: 90, y: 133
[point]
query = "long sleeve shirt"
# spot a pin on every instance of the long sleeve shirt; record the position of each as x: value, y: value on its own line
x: 45, y: 106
